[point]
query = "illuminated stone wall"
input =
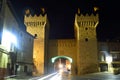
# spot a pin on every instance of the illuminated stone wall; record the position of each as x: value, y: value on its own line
x: 68, y: 48
x: 38, y: 57
x: 82, y: 49
x: 63, y: 47
x: 87, y: 59
x: 35, y: 25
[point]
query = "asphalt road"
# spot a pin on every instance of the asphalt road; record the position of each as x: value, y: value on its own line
x: 66, y: 76
x: 93, y: 76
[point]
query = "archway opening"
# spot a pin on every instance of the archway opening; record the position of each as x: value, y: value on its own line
x: 62, y: 64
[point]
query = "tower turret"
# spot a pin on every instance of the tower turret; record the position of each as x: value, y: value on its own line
x: 85, y: 28
x: 36, y: 25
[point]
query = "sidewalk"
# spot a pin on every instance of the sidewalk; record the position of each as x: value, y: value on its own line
x: 97, y: 76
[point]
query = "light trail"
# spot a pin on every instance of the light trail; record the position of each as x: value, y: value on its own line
x: 56, y: 77
x: 47, y: 76
x: 39, y: 78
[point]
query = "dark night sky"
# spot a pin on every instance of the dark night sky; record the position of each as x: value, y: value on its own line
x: 61, y: 15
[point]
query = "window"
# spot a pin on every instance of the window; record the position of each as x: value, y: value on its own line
x: 86, y: 28
x: 35, y: 36
x: 86, y: 39
x: 1, y: 5
x: 116, y: 56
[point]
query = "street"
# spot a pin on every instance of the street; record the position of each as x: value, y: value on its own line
x: 67, y: 76
x: 60, y: 76
x: 93, y: 76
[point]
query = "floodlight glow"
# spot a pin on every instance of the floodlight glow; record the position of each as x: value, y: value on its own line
x: 45, y: 77
x: 61, y: 71
x: 60, y: 66
x: 8, y: 39
x: 108, y: 59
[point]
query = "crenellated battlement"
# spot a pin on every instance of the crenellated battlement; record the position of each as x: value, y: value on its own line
x: 86, y: 20
x: 87, y: 17
x: 35, y: 24
x: 29, y: 12
x: 92, y: 16
x: 35, y: 20
x: 85, y: 25
x: 35, y: 15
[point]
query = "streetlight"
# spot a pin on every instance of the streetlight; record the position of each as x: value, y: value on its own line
x: 8, y: 39
x: 109, y: 60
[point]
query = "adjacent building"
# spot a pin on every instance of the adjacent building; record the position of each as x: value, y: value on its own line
x: 109, y: 55
x: 13, y: 51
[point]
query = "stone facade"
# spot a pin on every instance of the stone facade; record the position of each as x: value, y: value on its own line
x: 85, y: 26
x: 35, y: 25
x: 82, y: 50
x: 63, y: 47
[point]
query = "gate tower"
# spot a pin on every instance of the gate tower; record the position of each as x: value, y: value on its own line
x: 85, y: 28
x: 36, y: 25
